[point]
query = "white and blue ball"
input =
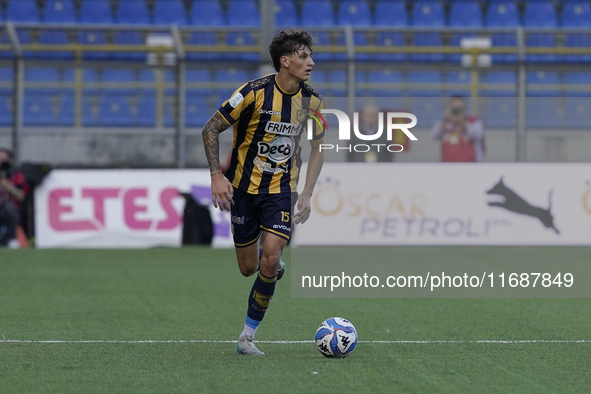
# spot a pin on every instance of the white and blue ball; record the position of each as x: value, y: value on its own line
x: 336, y: 337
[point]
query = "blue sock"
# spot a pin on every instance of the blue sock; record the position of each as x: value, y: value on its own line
x: 259, y: 299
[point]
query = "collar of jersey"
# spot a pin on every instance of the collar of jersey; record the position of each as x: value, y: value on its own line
x: 282, y: 91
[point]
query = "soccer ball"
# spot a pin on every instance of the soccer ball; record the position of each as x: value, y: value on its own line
x: 336, y: 337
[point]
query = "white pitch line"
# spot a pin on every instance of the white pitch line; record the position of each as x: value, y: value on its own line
x: 484, y: 341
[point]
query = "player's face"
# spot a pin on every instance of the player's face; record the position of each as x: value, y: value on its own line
x: 300, y: 64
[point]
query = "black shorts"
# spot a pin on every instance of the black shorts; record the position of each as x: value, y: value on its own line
x: 253, y: 213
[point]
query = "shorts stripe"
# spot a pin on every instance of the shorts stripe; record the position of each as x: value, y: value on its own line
x: 247, y: 243
x: 276, y: 233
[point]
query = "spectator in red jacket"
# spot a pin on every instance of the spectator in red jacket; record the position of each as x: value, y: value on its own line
x: 462, y: 136
x: 13, y: 190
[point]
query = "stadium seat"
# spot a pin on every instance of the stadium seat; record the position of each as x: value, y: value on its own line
x: 22, y: 11
x: 59, y: 11
x: 126, y: 37
x: 168, y: 114
x: 116, y: 77
x: 243, y: 13
x: 428, y: 110
x: 199, y: 77
x: 54, y: 37
x: 385, y: 83
x: 196, y: 110
x: 427, y: 39
x: 5, y: 113
x: 536, y: 81
x: 359, y: 39
x: 6, y: 81
x: 504, y: 40
x: 505, y: 81
x: 146, y: 111
x: 241, y: 39
x: 114, y: 111
x: 541, y: 14
x: 580, y: 80
x: 321, y: 38
x: 456, y: 40
x: 133, y: 12
x: 388, y: 39
x: 167, y: 12
x: 391, y: 13
x: 96, y: 12
x: 90, y: 77
x: 426, y: 84
x: 147, y: 78
x: 207, y: 13
x: 44, y: 76
x: 542, y: 112
x: 576, y: 15
x: 318, y: 13
x: 577, y: 40
x: 23, y: 37
x: 354, y: 13
x: 66, y: 111
x: 38, y: 111
x: 337, y: 80
x: 93, y: 38
x: 203, y: 38
x: 541, y: 40
x: 428, y: 14
x: 499, y: 112
x: 465, y: 14
x: 576, y: 113
x: 169, y: 77
x: 502, y: 14
x: 286, y: 13
x: 458, y: 83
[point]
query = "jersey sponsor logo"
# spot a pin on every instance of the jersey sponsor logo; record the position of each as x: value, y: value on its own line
x: 283, y: 128
x: 268, y: 167
x: 278, y: 150
x: 270, y: 112
x: 236, y: 99
x: 239, y: 219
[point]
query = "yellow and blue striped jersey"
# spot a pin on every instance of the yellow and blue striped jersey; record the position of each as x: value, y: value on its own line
x: 268, y: 126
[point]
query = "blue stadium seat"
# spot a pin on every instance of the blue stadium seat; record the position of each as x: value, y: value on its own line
x: 428, y: 110
x: 241, y: 39
x: 428, y: 13
x: 388, y: 39
x: 541, y: 40
x: 38, y: 111
x: 114, y: 111
x: 577, y: 79
x: 321, y: 38
x: 359, y: 39
x: 59, y: 11
x: 90, y: 76
x: 577, y: 40
x: 196, y: 111
x: 576, y: 15
x: 458, y: 83
x: 237, y: 76
x: 116, y: 77
x: 92, y: 37
x: 147, y: 78
x: 207, y: 13
x: 576, y: 113
x: 456, y: 40
x: 146, y: 111
x: 500, y: 112
x: 54, y: 37
x: 167, y: 12
x: 96, y: 11
x: 354, y: 13
x: 465, y: 14
x: 169, y: 77
x: 502, y: 14
x: 428, y: 39
x: 286, y: 13
x: 6, y: 79
x: 542, y: 112
x: 337, y: 80
x: 541, y: 14
x: 201, y: 77
x: 318, y: 13
x: 133, y: 12
x: 506, y: 82
x: 391, y: 13
x: 169, y: 118
x: 540, y: 78
x: 203, y: 38
x: 504, y: 40
x: 243, y: 13
x: 66, y: 111
x: 426, y: 83
x: 23, y: 37
x: 126, y: 37
x: 44, y: 76
x: 22, y: 11
x: 385, y: 83
x: 5, y: 112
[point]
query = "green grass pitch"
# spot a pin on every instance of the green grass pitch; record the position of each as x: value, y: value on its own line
x: 199, y: 294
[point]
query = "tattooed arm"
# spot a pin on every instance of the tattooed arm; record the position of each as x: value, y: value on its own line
x: 221, y: 188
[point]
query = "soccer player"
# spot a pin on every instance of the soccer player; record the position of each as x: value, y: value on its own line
x: 268, y: 115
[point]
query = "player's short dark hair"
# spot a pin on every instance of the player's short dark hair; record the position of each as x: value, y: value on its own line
x: 287, y: 43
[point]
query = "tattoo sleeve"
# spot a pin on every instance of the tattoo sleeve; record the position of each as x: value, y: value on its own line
x: 211, y: 140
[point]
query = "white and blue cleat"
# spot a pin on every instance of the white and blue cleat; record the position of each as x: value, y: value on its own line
x: 246, y: 346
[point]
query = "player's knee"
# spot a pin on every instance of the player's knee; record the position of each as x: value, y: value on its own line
x: 247, y: 271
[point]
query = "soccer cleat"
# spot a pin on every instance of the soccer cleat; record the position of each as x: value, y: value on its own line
x: 246, y: 346
x: 280, y: 270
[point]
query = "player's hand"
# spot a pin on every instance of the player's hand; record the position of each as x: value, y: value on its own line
x: 304, y: 209
x: 221, y: 192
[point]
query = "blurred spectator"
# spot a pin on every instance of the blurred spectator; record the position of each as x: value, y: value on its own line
x: 13, y: 189
x: 462, y: 136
